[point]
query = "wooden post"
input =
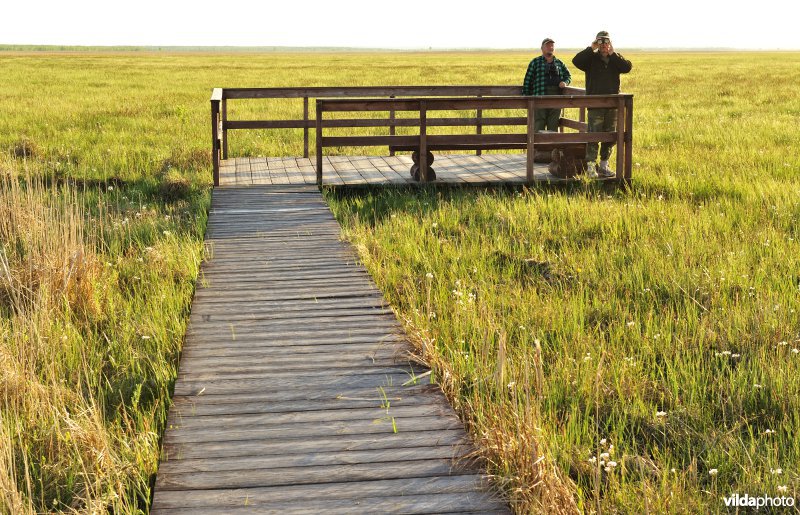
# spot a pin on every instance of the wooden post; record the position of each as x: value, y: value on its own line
x: 391, y: 127
x: 628, y: 140
x: 215, y: 102
x: 529, y: 163
x: 620, y: 137
x: 319, y: 142
x: 305, y: 127
x: 423, y: 141
x: 479, y: 126
x: 224, y: 128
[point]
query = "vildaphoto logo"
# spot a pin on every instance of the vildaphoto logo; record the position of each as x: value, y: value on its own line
x: 762, y: 501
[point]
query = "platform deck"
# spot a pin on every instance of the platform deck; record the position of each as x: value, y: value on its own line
x: 366, y: 170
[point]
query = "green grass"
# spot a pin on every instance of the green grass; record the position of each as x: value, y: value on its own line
x: 554, y: 318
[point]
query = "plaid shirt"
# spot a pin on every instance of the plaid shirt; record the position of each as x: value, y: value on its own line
x: 536, y: 76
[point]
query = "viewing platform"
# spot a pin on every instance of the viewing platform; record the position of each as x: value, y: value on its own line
x: 426, y: 131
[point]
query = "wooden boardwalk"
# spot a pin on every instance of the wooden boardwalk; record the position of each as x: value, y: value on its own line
x: 295, y: 392
x: 365, y: 170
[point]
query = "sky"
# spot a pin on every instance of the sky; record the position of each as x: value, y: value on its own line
x: 410, y: 24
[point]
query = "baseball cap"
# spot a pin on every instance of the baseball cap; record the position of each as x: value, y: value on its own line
x: 546, y: 41
x: 602, y: 35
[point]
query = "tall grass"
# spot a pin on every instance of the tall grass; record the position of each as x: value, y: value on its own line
x: 94, y: 291
x: 561, y: 321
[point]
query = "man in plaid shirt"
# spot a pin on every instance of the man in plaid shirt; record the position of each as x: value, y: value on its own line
x: 546, y: 75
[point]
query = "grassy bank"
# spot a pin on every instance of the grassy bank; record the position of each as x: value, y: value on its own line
x: 662, y: 321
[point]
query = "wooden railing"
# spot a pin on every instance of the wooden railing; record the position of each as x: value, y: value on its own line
x: 426, y: 99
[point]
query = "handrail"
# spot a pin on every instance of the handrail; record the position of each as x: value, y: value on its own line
x: 527, y: 140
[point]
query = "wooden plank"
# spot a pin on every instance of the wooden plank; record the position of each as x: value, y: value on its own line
x: 311, y: 475
x: 372, y: 413
x: 183, y: 406
x: 329, y: 491
x: 471, y: 502
x: 298, y: 431
x: 331, y: 382
x: 317, y: 459
x: 378, y: 395
x: 276, y: 373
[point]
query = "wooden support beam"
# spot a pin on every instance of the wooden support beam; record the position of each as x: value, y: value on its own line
x: 391, y: 126
x: 224, y: 130
x: 319, y: 142
x: 423, y: 141
x: 216, y: 99
x: 628, y: 139
x: 305, y: 128
x: 620, y: 169
x: 530, y: 150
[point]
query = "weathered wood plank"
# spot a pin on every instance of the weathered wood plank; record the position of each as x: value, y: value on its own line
x: 331, y: 382
x: 186, y: 421
x: 312, y: 475
x: 197, y: 406
x: 255, y: 462
x: 329, y: 491
x: 385, y: 426
x: 462, y: 503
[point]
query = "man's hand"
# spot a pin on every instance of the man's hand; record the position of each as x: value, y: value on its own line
x: 610, y: 49
x: 562, y: 84
x: 595, y: 45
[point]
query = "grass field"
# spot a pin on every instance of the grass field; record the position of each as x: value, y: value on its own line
x: 657, y: 329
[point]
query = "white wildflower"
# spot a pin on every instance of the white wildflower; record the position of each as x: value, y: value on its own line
x: 776, y: 472
x: 783, y: 489
x: 429, y: 275
x: 661, y: 414
x: 713, y: 472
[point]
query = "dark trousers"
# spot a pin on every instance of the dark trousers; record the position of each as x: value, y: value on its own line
x: 547, y: 119
x: 601, y: 120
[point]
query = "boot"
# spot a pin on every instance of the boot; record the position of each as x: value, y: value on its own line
x: 591, y: 169
x: 604, y: 171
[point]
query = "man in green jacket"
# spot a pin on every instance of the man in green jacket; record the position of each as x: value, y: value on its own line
x: 603, y: 67
x: 546, y: 75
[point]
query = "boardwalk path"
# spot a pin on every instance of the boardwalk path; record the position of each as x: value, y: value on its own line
x: 291, y: 360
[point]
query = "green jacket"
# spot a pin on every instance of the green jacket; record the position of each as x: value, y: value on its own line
x: 535, y: 82
x: 602, y: 78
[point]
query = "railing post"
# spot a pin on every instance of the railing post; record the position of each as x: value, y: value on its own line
x: 391, y: 127
x: 479, y: 126
x: 620, y: 137
x: 319, y: 142
x: 628, y: 140
x: 216, y: 98
x: 530, y: 155
x: 224, y: 128
x: 423, y: 141
x: 305, y: 127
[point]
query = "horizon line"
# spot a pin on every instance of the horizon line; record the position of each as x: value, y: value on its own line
x: 288, y: 48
